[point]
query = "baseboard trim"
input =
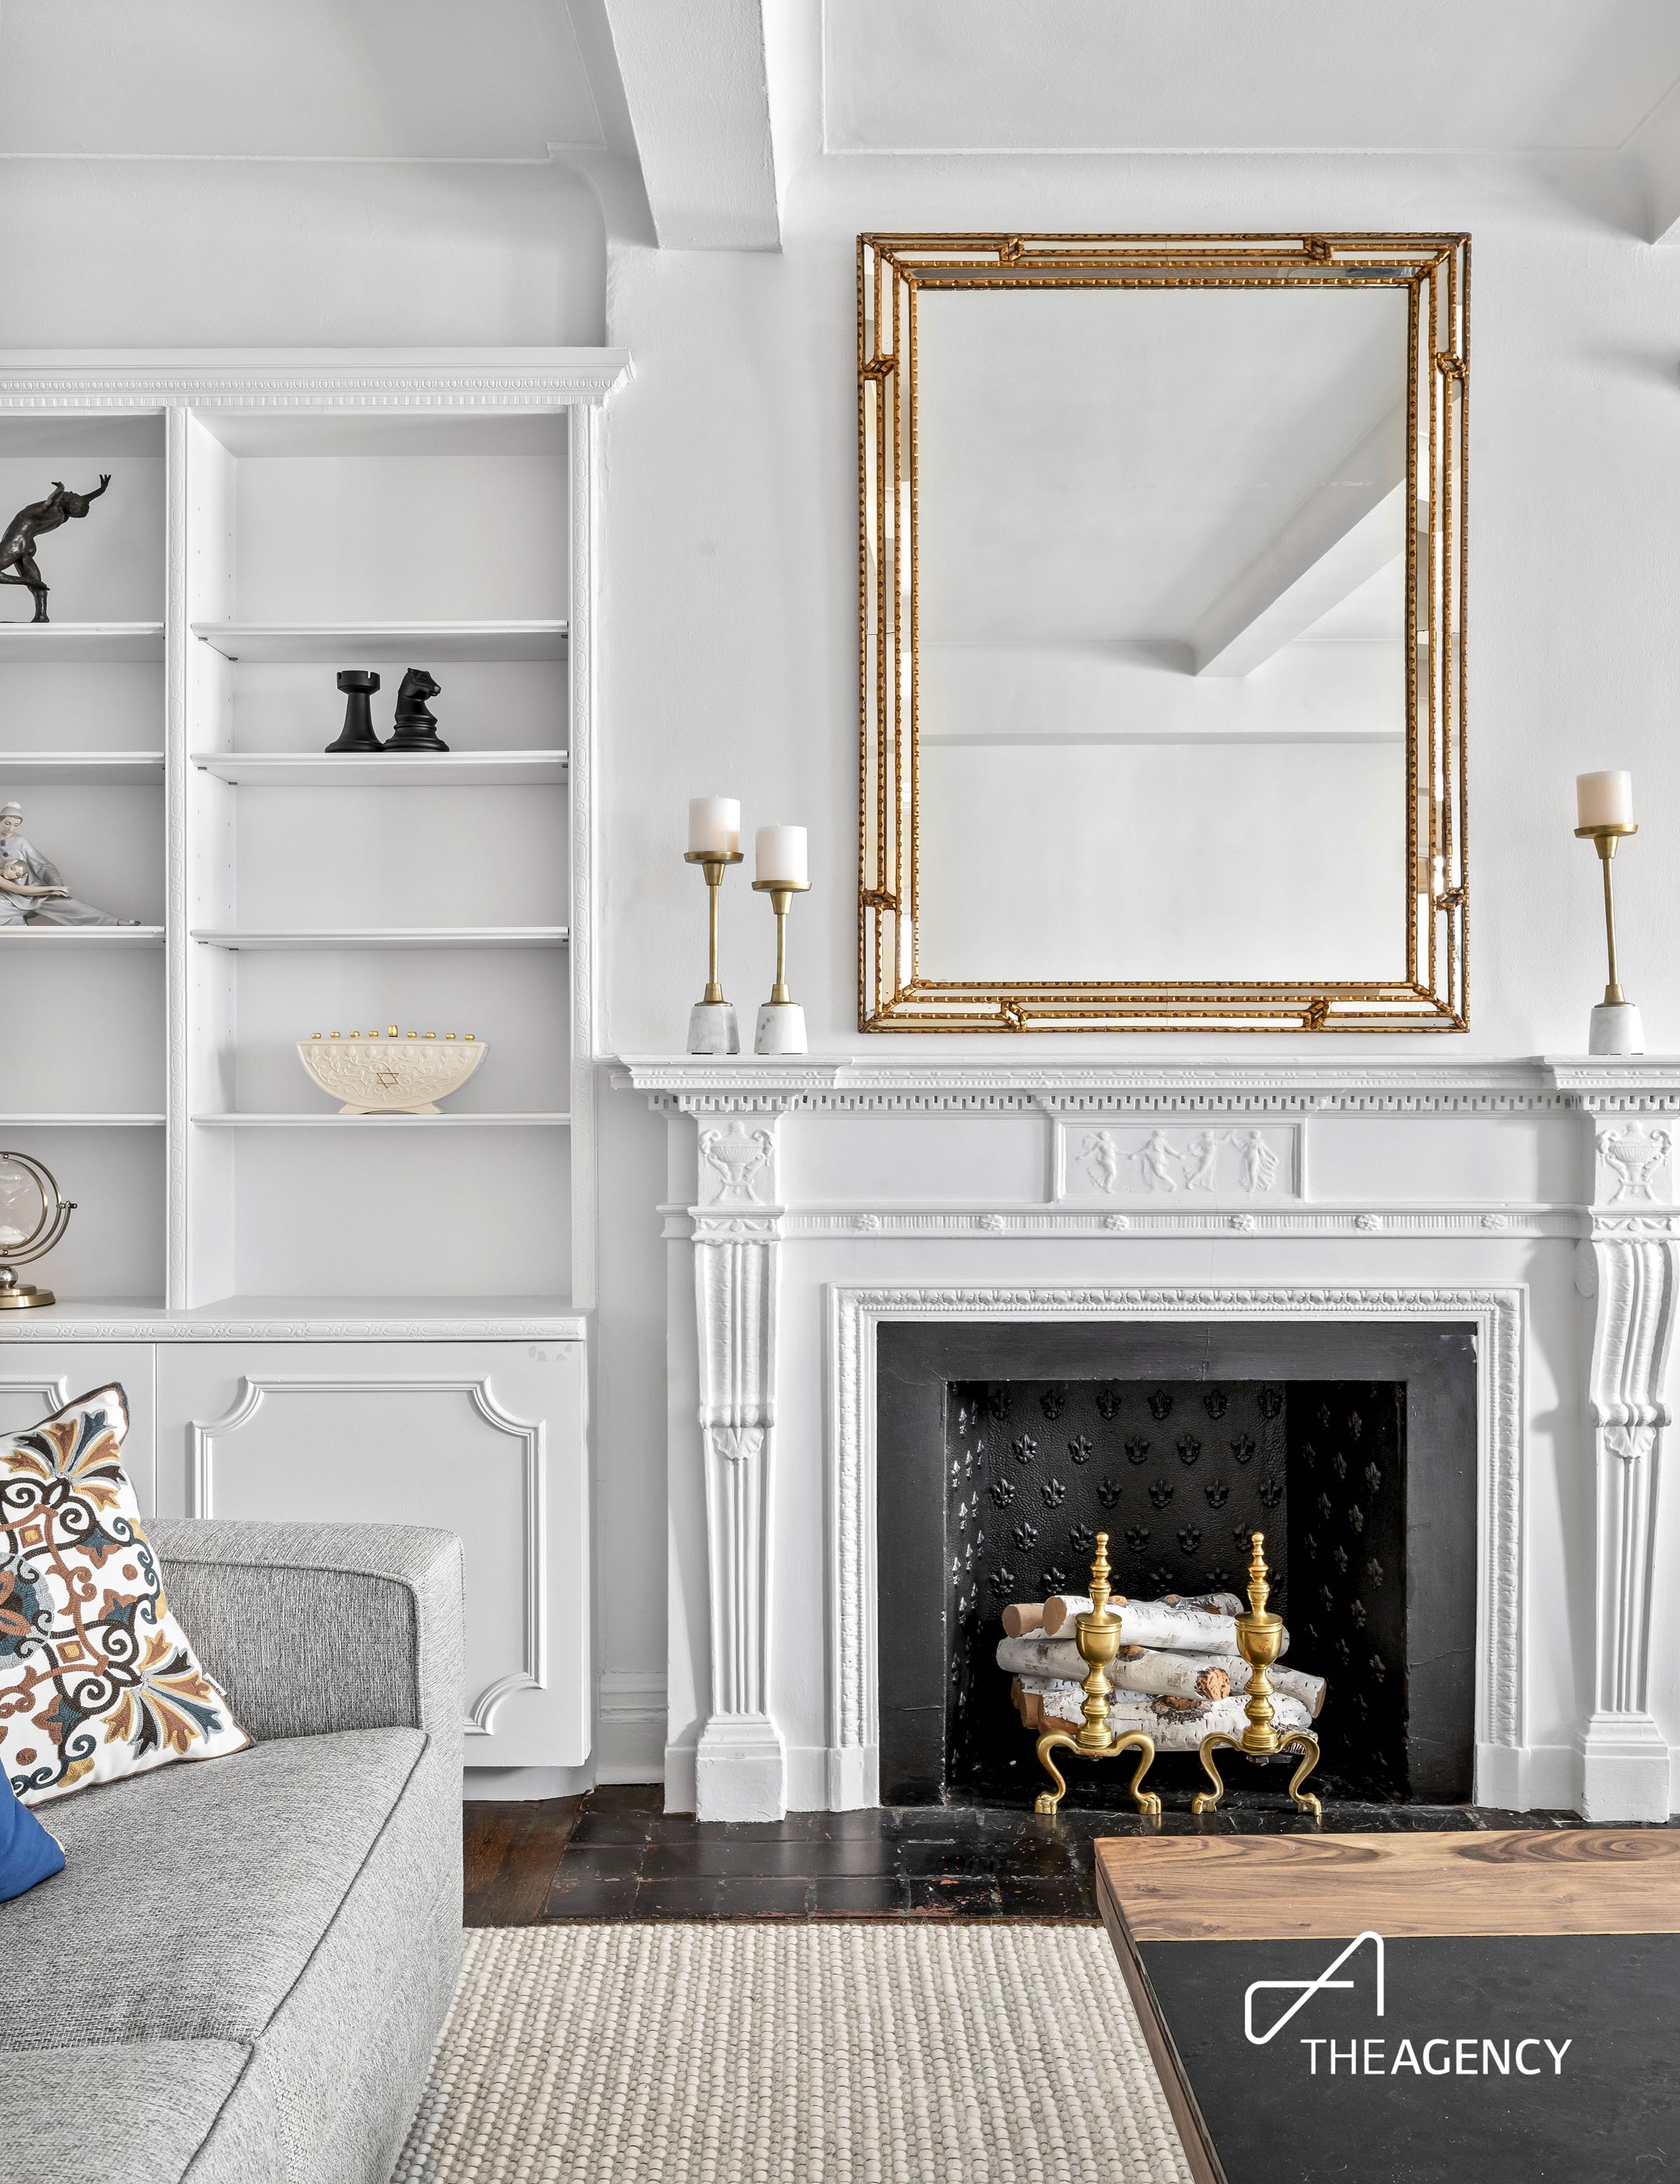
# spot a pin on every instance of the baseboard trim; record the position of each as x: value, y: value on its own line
x: 1513, y: 1778
x: 524, y: 1785
x: 631, y: 1726
x: 681, y: 1774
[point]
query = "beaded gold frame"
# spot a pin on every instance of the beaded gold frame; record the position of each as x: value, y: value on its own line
x: 1434, y: 270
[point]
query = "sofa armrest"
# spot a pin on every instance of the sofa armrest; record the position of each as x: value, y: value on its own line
x: 313, y: 1628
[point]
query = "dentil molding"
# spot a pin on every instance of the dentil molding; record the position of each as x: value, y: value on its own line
x: 892, y: 1084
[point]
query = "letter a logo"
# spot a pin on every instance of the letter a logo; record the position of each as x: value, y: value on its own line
x: 1304, y: 1990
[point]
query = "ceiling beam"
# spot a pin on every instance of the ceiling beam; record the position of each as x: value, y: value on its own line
x: 1340, y: 536
x: 1654, y: 150
x: 694, y: 81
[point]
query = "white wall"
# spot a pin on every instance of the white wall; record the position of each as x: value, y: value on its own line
x: 325, y: 253
x: 730, y: 658
x: 730, y: 646
x: 730, y: 649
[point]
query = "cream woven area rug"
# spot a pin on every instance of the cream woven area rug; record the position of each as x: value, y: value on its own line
x: 766, y: 2054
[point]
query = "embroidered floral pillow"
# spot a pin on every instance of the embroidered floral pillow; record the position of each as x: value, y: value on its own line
x: 97, y: 1679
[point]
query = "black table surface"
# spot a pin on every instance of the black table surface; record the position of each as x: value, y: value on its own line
x: 1279, y: 2113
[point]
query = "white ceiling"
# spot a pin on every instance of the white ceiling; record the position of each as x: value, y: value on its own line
x: 1065, y: 75
x: 417, y: 78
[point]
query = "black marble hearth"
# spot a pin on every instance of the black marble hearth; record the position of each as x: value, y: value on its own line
x: 1003, y: 1451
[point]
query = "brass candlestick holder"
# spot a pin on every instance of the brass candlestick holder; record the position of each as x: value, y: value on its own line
x: 1260, y: 1640
x: 1097, y: 1638
x: 712, y: 1028
x: 782, y: 1022
x: 1616, y: 1026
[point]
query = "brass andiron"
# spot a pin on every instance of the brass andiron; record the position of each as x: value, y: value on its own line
x: 1097, y: 1638
x: 1259, y: 1639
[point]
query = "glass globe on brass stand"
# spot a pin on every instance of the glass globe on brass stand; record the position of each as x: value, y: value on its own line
x: 32, y: 1218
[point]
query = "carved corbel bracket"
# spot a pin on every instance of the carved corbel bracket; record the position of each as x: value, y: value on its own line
x: 737, y: 1228
x: 1633, y: 1111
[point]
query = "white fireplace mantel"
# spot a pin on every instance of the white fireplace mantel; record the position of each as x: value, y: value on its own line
x: 811, y: 1197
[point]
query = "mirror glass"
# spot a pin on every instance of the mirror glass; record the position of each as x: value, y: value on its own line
x: 1151, y: 637
x: 1161, y: 587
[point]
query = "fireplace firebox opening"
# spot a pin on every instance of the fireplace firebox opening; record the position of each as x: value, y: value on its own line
x: 1004, y: 1449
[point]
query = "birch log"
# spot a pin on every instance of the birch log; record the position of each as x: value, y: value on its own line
x: 1061, y: 1607
x: 1021, y: 1616
x: 1205, y: 1676
x: 1146, y: 1622
x: 1173, y: 1730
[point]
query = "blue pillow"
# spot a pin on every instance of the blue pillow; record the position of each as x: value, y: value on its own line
x: 27, y: 1853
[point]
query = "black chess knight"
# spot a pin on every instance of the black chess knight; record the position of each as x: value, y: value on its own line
x: 415, y: 728
x: 18, y: 564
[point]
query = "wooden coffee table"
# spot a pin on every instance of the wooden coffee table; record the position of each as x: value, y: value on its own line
x: 1526, y: 2028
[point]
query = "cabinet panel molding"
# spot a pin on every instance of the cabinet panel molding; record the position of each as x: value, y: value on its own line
x: 37, y: 1378
x: 487, y: 1441
x: 531, y: 1673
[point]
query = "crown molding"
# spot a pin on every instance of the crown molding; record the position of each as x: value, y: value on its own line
x: 509, y: 379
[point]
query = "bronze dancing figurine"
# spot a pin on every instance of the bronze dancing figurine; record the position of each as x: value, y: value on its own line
x: 18, y: 564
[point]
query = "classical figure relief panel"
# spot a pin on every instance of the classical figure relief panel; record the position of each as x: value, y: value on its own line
x: 1182, y: 1164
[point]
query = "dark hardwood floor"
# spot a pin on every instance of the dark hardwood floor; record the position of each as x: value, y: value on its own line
x: 617, y: 1854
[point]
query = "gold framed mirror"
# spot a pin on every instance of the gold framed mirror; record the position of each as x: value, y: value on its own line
x: 1163, y: 554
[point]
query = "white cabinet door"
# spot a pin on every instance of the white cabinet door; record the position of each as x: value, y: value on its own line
x: 37, y: 1377
x: 484, y: 1440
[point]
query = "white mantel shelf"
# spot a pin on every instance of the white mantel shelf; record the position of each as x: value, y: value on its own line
x: 1283, y: 1085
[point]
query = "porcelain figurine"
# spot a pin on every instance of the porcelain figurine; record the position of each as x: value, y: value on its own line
x: 415, y: 729
x: 31, y: 890
x: 18, y: 564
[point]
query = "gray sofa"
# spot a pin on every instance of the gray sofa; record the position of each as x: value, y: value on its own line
x: 239, y: 1975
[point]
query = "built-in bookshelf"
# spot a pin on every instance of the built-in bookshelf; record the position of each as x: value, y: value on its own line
x: 271, y: 521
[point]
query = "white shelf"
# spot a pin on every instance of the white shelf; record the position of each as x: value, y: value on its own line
x: 414, y: 643
x: 454, y: 936
x: 336, y: 1121
x: 447, y: 1311
x: 82, y: 1122
x: 100, y: 768
x: 526, y: 769
x: 81, y: 936
x: 314, y: 1318
x: 79, y: 640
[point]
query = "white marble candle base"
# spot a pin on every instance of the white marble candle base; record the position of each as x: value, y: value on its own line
x: 1615, y: 1029
x: 713, y: 1029
x: 781, y: 1029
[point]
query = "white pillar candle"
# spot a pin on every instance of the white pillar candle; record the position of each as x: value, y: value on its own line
x: 714, y: 826
x: 780, y: 857
x: 1604, y: 799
